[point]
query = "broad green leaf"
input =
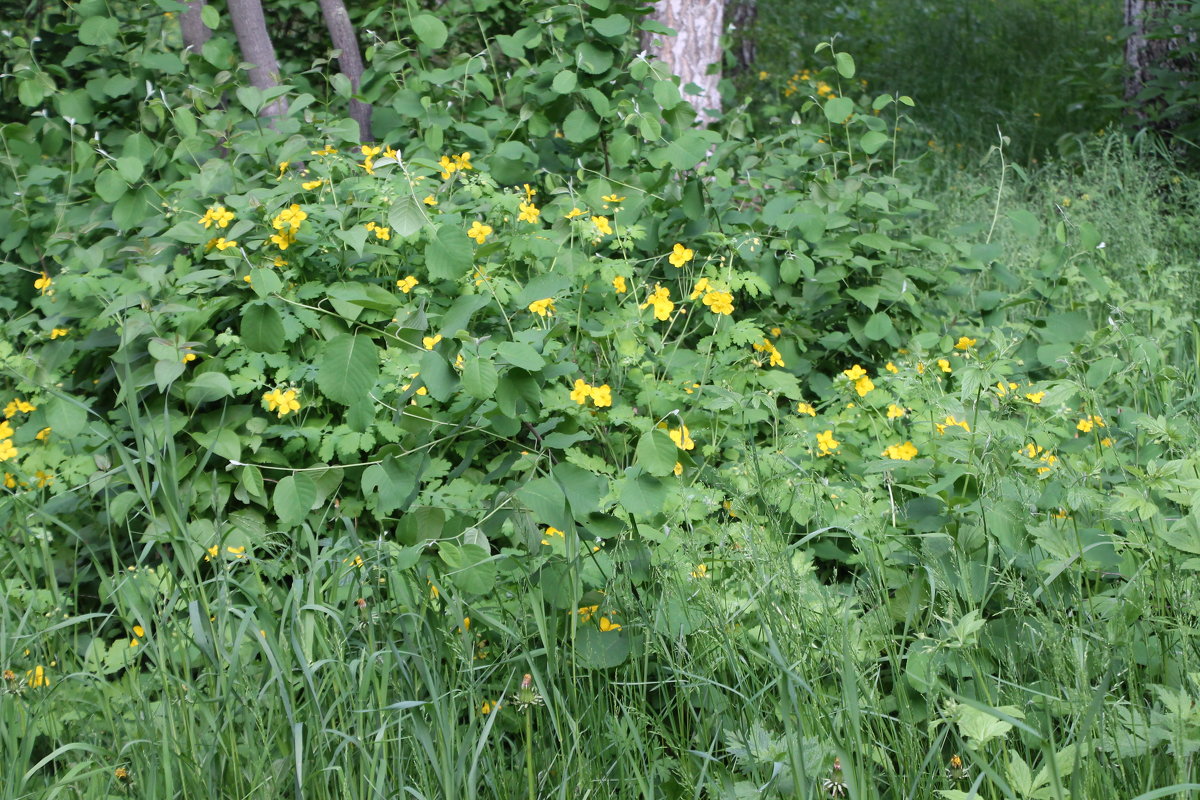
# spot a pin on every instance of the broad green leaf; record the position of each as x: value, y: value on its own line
x: 845, y: 65
x: 129, y: 168
x: 262, y: 328
x: 871, y: 141
x: 580, y: 126
x: 294, y: 495
x: 684, y: 153
x: 611, y: 27
x: 210, y: 17
x: 521, y: 355
x: 347, y: 368
x: 110, y: 186
x: 837, y: 109
x: 666, y: 94
x: 594, y: 58
x: 208, y: 387
x: 583, y: 489
x: 564, y: 82
x: 430, y: 30
x: 546, y: 501
x: 166, y: 372
x: 222, y: 442
x: 392, y: 480
x: 471, y: 568
x: 642, y: 495
x: 597, y: 649
x: 407, y: 216
x: 1024, y: 222
x: 450, y: 255
x: 356, y: 237
x: 656, y: 453
x: 437, y: 377
x: 479, y: 377
x: 878, y: 326
x: 99, y: 31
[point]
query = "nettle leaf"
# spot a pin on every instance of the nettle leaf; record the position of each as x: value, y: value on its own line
x: 347, y: 368
x: 293, y: 497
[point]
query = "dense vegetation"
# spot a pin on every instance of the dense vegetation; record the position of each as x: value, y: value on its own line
x: 550, y: 446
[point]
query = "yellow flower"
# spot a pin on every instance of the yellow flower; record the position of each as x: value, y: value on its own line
x: 44, y: 479
x: 479, y: 232
x: 430, y: 342
x: 700, y: 288
x: 1105, y: 442
x: 463, y: 162
x: 895, y: 411
x: 806, y: 408
x: 602, y: 225
x: 220, y: 243
x: 619, y: 284
x: 607, y: 625
x: 890, y: 367
x: 279, y: 261
x: 1085, y: 425
x: 901, y: 452
x: 529, y: 213
x: 430, y: 201
x: 719, y: 302
x: 678, y: 468
x: 680, y: 255
x: 944, y: 365
x: 217, y: 214
x: 543, y: 307
x: 964, y: 343
x: 57, y: 332
x: 406, y: 284
x: 612, y: 198
x: 37, y: 677
x: 43, y: 283
x: 661, y: 300
x: 17, y: 406
x: 1035, y: 397
x: 283, y: 165
x: 327, y: 150
x: 863, y: 385
x: 285, y: 402
x: 9, y: 481
x: 7, y: 450
x: 383, y: 233
x: 681, y: 437
x: 573, y: 213
x: 312, y: 184
x: 284, y: 238
x: 290, y: 217
x: 486, y: 708
x: 1002, y: 389
x: 448, y: 167
x: 43, y: 434
x: 602, y: 396
x: 1099, y: 421
x: 529, y: 191
x: 826, y: 443
x: 951, y: 422
x: 854, y: 373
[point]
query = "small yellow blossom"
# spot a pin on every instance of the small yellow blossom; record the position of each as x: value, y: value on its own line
x: 700, y: 288
x: 37, y: 677
x: 43, y: 434
x: 895, y: 412
x: 854, y: 373
x: 529, y: 213
x: 602, y: 396
x: 607, y: 625
x: 678, y: 468
x: 806, y: 408
x: 1035, y: 397
x: 406, y: 284
x: 1002, y: 388
x: 44, y: 479
x: 283, y: 165
x: 543, y: 307
x: 944, y: 365
x: 901, y: 452
x: 1085, y: 425
x: 17, y: 406
x: 479, y: 232
x: 890, y: 367
x: 826, y: 443
x: 660, y: 298
x: 430, y: 201
x: 43, y: 283
x: 312, y: 184
x: 951, y: 422
x: 602, y: 225
x: 7, y: 450
x: 463, y: 162
x: 612, y: 198
x: 220, y: 243
x: 964, y: 343
x: 57, y: 332
x: 327, y: 150
x: 573, y: 213
x: 619, y: 284
x: 429, y: 342
x: 681, y: 437
x: 448, y: 167
x: 719, y: 302
x: 680, y: 255
x: 284, y: 402
x: 863, y: 385
x: 218, y: 215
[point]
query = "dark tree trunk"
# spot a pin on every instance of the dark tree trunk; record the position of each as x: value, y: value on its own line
x: 694, y: 49
x: 742, y: 17
x: 1144, y: 55
x: 255, y: 43
x: 350, y: 60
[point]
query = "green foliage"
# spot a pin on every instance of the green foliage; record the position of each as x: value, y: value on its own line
x: 552, y: 430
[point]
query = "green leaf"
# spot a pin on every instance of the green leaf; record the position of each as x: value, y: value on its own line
x: 407, y: 216
x: 837, y: 109
x: 564, y: 82
x: 594, y: 58
x: 611, y: 27
x: 293, y: 497
x: 356, y: 237
x: 871, y: 141
x: 391, y: 481
x: 430, y: 30
x: 666, y: 94
x: 845, y: 65
x: 222, y: 442
x: 584, y: 490
x: 210, y: 17
x: 437, y: 376
x: 546, y: 501
x: 685, y: 152
x: 580, y: 126
x: 479, y: 377
x: 521, y: 355
x: 878, y: 326
x: 597, y: 649
x: 449, y: 255
x: 471, y: 568
x: 110, y: 186
x: 262, y: 328
x: 656, y: 453
x: 98, y: 31
x: 642, y: 495
x: 208, y: 387
x: 347, y: 368
x: 129, y: 168
x: 1024, y: 222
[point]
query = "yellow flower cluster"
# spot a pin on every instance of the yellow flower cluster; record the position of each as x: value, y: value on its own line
x: 858, y: 376
x: 660, y: 298
x: 218, y: 215
x: 1036, y: 453
x: 407, y: 283
x: 806, y: 408
x: 895, y: 411
x: 284, y: 402
x: 1087, y: 423
x: 287, y: 222
x: 719, y: 302
x: 380, y: 232
x: 603, y: 228
x: 768, y: 347
x: 452, y: 164
x: 682, y: 437
x: 901, y: 452
x: 619, y: 284
x: 826, y: 444
x: 7, y: 449
x: 601, y: 396
x: 951, y: 422
x: 529, y: 213
x: 543, y: 307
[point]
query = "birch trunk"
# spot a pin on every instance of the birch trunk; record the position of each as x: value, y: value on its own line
x: 337, y: 20
x: 694, y: 50
x: 1144, y: 55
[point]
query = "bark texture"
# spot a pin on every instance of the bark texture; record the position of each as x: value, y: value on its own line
x: 337, y: 20
x: 742, y: 17
x: 694, y: 49
x: 250, y: 26
x: 195, y: 32
x: 1145, y: 55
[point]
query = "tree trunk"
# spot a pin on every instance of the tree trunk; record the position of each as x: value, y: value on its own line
x: 195, y: 32
x: 694, y: 52
x: 742, y: 17
x: 1143, y: 55
x: 342, y: 34
x: 250, y: 26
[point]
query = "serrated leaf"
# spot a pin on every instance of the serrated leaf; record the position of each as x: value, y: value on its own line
x: 293, y: 497
x: 347, y: 368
